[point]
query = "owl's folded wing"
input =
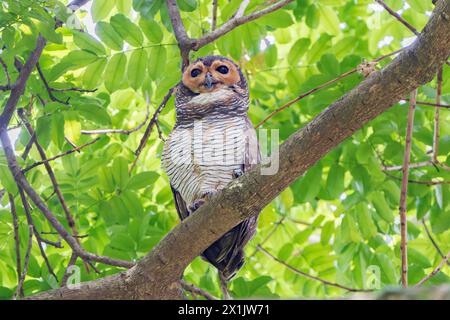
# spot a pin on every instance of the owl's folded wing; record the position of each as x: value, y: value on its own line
x: 180, y: 204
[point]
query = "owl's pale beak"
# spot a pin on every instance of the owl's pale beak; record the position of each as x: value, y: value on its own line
x: 209, y: 81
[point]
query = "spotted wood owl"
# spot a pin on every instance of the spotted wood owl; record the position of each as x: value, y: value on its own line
x: 212, y: 143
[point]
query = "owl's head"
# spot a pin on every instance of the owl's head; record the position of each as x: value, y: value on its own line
x: 213, y: 73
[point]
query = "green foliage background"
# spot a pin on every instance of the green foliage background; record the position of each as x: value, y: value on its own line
x: 334, y: 223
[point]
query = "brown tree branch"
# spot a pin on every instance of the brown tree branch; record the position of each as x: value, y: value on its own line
x: 159, y: 273
x: 398, y: 17
x: 23, y: 183
x: 214, y: 15
x: 435, y: 245
x: 404, y: 190
x: 121, y: 131
x: 36, y: 164
x: 19, y: 86
x: 8, y: 78
x: 38, y: 237
x: 187, y: 44
x: 69, y: 217
x: 436, y: 126
x: 435, y: 271
x: 320, y: 87
x: 15, y: 221
x: 236, y: 22
x: 19, y: 289
x: 196, y: 291
x: 150, y: 126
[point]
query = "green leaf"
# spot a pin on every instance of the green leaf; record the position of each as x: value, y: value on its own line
x: 6, y: 177
x: 365, y: 222
x: 94, y: 113
x: 312, y: 17
x: 106, y: 180
x: 115, y: 72
x: 277, y: 19
x: 79, y: 58
x: 380, y: 204
x: 439, y: 220
x: 120, y: 172
x: 327, y: 232
x: 72, y: 127
x: 101, y: 8
x: 155, y: 68
x: 87, y: 42
x: 152, y: 30
x: 93, y: 74
x: 299, y: 48
x: 43, y: 131
x: 271, y: 56
x: 109, y: 36
x: 329, y: 20
x: 129, y: 31
x: 57, y: 132
x: 335, y: 181
x: 142, y: 180
x: 138, y: 63
x: 124, y: 6
x: 329, y: 65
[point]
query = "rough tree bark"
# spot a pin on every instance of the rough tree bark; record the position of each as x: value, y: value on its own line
x: 157, y: 276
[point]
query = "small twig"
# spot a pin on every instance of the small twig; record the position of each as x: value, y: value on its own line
x: 15, y: 221
x: 47, y: 86
x: 121, y: 131
x: 411, y: 166
x: 270, y: 234
x: 196, y: 291
x: 214, y: 15
x: 60, y: 155
x: 236, y: 22
x: 433, y: 241
x: 404, y: 190
x: 223, y: 283
x: 72, y: 261
x: 39, y: 239
x: 436, y: 126
x: 149, y: 129
x: 428, y: 183
x: 8, y: 78
x: 158, y: 127
x: 435, y: 271
x: 423, y: 103
x: 72, y: 89
x: 326, y: 84
x: 28, y: 147
x: 398, y: 17
x: 19, y: 289
x: 304, y: 274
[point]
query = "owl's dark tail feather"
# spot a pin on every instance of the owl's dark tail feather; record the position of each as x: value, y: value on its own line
x: 227, y: 253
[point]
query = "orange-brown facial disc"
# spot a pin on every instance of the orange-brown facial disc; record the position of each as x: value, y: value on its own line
x: 229, y: 78
x: 194, y: 76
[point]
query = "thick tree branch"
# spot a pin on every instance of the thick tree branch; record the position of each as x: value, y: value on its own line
x: 158, y: 274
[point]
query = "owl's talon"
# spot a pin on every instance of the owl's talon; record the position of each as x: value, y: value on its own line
x: 197, y: 204
x: 237, y: 173
x: 209, y: 194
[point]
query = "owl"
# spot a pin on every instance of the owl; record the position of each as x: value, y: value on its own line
x: 212, y: 143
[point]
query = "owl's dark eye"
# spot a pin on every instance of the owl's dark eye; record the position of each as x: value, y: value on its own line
x: 222, y: 69
x: 195, y: 72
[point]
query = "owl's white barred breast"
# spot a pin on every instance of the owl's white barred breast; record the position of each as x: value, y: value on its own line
x: 202, y: 158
